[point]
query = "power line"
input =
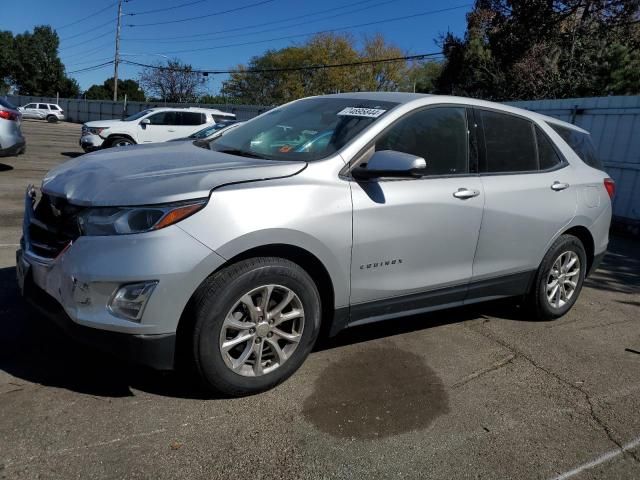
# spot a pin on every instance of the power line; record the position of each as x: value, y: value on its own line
x: 84, y: 44
x: 91, y: 30
x: 145, y: 12
x: 348, y: 27
x: 319, y: 12
x: 296, y: 25
x: 94, y: 67
x: 405, y: 58
x: 256, y: 4
x: 85, y: 62
x: 88, y: 16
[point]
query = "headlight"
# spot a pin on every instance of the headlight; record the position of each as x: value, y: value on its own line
x: 96, y: 130
x: 124, y: 220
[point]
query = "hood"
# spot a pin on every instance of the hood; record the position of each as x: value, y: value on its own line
x: 156, y: 173
x: 103, y: 123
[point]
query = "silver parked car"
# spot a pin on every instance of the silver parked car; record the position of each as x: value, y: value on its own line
x: 50, y: 112
x: 11, y: 140
x: 330, y: 212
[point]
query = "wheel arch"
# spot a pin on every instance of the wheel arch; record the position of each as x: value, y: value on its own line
x: 113, y: 136
x: 584, y: 235
x: 302, y: 257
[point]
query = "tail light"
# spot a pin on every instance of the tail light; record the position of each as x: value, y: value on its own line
x: 8, y: 115
x: 610, y: 187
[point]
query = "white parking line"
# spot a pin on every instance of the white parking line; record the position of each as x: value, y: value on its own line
x: 9, y: 244
x: 601, y: 459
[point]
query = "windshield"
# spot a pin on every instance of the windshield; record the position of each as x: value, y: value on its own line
x: 138, y: 115
x: 309, y: 129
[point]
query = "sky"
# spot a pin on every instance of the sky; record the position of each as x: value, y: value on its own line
x: 214, y: 35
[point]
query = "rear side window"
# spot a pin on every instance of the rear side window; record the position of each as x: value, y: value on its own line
x: 43, y: 106
x: 547, y: 153
x: 189, y: 118
x: 439, y: 135
x: 581, y: 144
x: 510, y: 144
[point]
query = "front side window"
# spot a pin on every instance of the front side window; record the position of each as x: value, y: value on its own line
x: 439, y: 135
x: 308, y: 129
x: 509, y: 143
x: 581, y: 144
x: 163, y: 118
x: 137, y: 116
x: 30, y: 105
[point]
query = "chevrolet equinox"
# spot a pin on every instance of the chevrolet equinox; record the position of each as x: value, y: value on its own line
x: 331, y: 212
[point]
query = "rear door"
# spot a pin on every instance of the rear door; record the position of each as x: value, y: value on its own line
x: 414, y: 239
x: 528, y: 199
x: 43, y: 110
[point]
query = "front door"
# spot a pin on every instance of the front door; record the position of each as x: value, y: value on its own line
x: 414, y: 239
x: 528, y: 200
x: 163, y: 127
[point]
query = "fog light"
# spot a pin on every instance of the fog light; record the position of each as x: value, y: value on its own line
x: 128, y: 301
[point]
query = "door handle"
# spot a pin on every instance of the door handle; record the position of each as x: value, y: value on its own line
x: 171, y: 130
x: 557, y: 186
x: 464, y: 193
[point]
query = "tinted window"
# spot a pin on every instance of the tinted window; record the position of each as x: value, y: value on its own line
x: 189, y: 118
x: 163, y: 118
x: 223, y: 118
x: 509, y: 143
x: 439, y: 135
x: 547, y: 154
x: 54, y: 107
x: 581, y: 144
x: 30, y: 105
x: 43, y: 106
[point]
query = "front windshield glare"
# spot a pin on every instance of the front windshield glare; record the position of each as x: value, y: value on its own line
x: 306, y: 130
x: 136, y: 116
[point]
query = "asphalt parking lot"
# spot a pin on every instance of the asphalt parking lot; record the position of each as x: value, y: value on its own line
x: 474, y: 393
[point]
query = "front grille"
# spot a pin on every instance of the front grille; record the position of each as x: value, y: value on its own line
x: 53, y: 226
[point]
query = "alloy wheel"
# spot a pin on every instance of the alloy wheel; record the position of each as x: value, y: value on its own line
x: 262, y: 330
x: 563, y: 278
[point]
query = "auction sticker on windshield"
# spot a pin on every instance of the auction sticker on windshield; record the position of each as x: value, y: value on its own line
x: 361, y: 112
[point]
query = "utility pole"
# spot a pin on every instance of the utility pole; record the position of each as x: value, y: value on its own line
x: 116, y: 59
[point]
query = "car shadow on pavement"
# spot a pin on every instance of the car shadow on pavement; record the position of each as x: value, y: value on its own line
x: 34, y: 350
x: 72, y: 154
x: 5, y: 168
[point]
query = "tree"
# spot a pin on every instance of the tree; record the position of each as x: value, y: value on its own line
x: 38, y: 69
x: 516, y: 49
x: 173, y: 82
x: 422, y: 77
x: 105, y: 91
x: 7, y: 61
x: 277, y: 77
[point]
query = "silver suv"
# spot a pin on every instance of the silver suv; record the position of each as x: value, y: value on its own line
x: 327, y: 212
x: 50, y: 112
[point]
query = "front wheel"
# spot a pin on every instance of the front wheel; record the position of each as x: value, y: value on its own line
x: 255, y: 323
x: 559, y: 278
x: 120, y: 142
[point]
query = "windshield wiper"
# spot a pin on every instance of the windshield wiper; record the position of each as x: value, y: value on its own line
x: 242, y: 153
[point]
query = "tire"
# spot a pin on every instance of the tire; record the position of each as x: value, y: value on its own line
x: 52, y: 119
x: 218, y: 301
x: 119, y: 141
x: 564, y: 250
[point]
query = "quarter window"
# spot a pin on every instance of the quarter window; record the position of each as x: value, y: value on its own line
x: 581, y: 144
x: 509, y: 143
x: 439, y: 135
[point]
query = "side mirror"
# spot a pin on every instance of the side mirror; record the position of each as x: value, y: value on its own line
x: 145, y: 121
x: 390, y: 163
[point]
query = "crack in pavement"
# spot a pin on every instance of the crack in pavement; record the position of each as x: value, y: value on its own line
x: 481, y: 373
x: 486, y: 332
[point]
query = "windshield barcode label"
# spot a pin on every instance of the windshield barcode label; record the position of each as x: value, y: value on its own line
x: 361, y: 112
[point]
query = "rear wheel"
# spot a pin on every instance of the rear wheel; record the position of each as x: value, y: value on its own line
x: 52, y: 118
x: 559, y: 279
x: 255, y: 323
